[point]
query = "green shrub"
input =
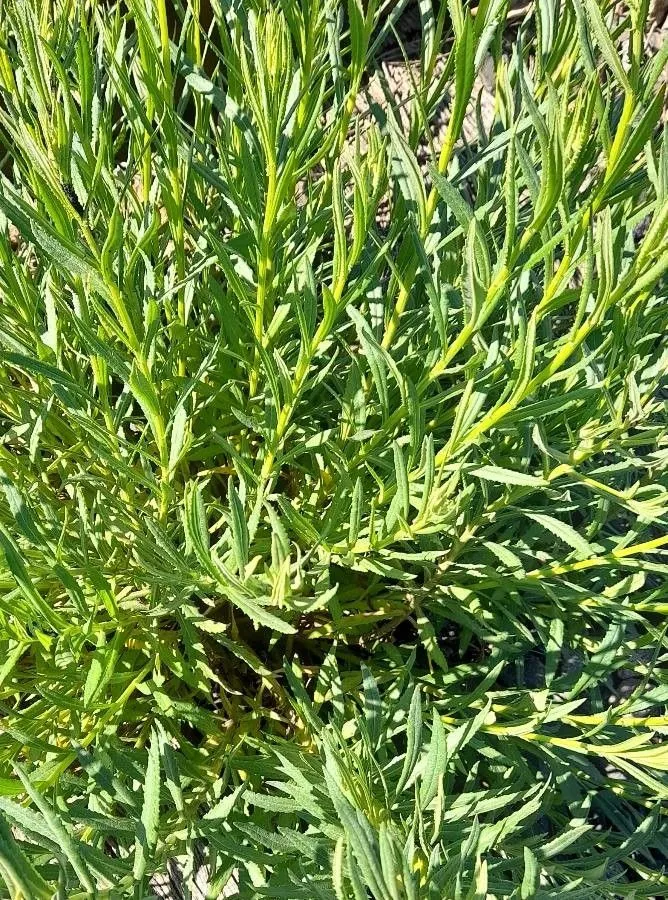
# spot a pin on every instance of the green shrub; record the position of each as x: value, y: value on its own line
x: 333, y: 526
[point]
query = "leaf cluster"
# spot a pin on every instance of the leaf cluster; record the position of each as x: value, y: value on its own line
x: 334, y: 458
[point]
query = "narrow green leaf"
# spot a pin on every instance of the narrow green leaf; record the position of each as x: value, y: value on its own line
x: 401, y: 475
x: 413, y: 741
x: 147, y: 829
x: 564, y: 532
x: 605, y: 43
x: 531, y: 875
x: 67, y: 843
x: 507, y: 476
x: 239, y: 526
x: 434, y: 764
x: 18, y: 569
x: 19, y: 875
x: 372, y: 705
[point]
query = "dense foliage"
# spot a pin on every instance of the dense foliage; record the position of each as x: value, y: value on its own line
x: 334, y: 452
